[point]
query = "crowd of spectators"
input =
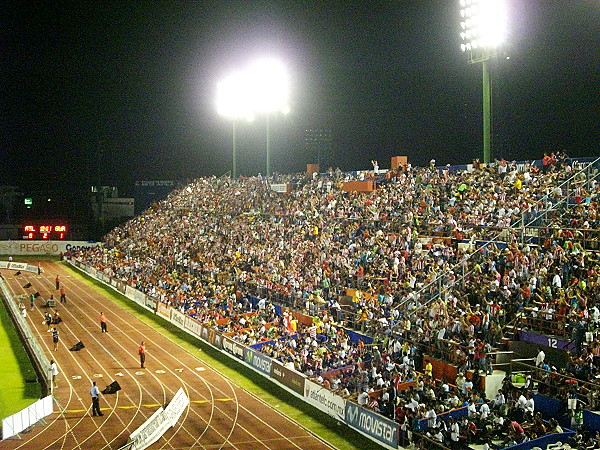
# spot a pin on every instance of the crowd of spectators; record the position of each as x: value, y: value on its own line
x: 408, y: 251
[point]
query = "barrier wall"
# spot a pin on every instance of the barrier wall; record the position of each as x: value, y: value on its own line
x: 27, y: 417
x: 378, y: 428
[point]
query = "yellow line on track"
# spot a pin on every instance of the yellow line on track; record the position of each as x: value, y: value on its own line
x: 147, y: 405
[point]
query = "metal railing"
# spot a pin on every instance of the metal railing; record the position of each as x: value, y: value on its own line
x: 436, y: 287
x: 39, y: 359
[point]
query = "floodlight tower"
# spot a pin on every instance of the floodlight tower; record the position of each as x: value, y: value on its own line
x: 483, y: 30
x: 269, y: 91
x: 233, y: 102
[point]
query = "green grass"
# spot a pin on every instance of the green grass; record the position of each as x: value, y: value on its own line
x: 18, y: 386
x: 328, y: 428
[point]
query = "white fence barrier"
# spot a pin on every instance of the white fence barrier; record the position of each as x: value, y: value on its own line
x: 13, y: 425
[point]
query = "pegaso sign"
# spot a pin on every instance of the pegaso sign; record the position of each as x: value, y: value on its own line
x: 32, y: 248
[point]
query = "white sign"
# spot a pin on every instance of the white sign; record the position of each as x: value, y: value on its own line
x: 325, y: 400
x: 32, y: 248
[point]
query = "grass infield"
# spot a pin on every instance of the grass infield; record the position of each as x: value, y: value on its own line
x: 18, y: 381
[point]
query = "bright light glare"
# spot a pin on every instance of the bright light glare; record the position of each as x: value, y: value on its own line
x: 486, y: 24
x: 233, y: 99
x: 262, y: 88
x: 269, y: 86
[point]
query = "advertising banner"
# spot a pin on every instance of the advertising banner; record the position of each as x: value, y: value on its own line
x: 192, y: 325
x: 233, y: 347
x: 140, y: 298
x: 163, y: 310
x: 325, y: 400
x: 204, y: 332
x: 121, y: 286
x: 259, y: 361
x: 32, y: 248
x: 218, y: 341
x: 130, y: 292
x: 287, y: 377
x: 17, y: 266
x: 150, y: 303
x: 211, y: 336
x: 178, y: 319
x: 372, y: 424
x: 552, y: 342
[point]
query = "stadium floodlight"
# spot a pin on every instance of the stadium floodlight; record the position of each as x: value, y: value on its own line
x: 234, y: 102
x: 262, y: 88
x: 483, y: 29
x: 269, y: 83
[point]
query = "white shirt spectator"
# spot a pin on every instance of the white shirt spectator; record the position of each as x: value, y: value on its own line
x: 529, y: 405
x: 363, y: 398
x: 484, y: 411
x: 539, y: 359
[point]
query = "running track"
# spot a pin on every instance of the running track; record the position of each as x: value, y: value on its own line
x: 221, y: 415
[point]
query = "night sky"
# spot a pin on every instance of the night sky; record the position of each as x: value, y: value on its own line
x: 123, y: 91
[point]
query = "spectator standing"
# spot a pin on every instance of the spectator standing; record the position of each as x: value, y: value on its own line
x: 103, y: 323
x: 55, y: 338
x: 539, y: 359
x: 142, y: 353
x: 95, y: 393
x: 54, y: 372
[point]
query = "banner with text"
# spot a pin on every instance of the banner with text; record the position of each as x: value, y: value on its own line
x: 288, y: 377
x: 260, y: 362
x: 372, y: 424
x: 325, y: 400
x: 33, y: 248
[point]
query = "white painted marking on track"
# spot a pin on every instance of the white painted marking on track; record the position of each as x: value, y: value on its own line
x: 160, y: 371
x: 140, y: 373
x: 179, y: 370
x: 98, y: 375
x: 76, y: 377
x: 118, y: 374
x: 200, y: 369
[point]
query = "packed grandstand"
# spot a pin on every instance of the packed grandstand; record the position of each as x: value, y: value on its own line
x: 434, y: 268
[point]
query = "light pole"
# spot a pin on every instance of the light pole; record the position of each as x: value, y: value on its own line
x: 260, y: 88
x: 232, y: 102
x: 234, y: 165
x: 268, y: 149
x: 483, y: 30
x: 269, y: 89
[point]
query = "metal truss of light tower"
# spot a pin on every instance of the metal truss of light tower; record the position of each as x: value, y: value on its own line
x: 483, y: 31
x: 234, y: 102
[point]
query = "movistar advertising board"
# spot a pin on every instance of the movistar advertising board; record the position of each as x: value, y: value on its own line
x: 376, y: 426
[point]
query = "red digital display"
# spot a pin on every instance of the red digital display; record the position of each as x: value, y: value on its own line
x: 45, y: 232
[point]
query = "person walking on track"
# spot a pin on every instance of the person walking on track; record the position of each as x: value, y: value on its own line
x: 142, y: 353
x: 63, y: 297
x: 95, y: 393
x: 55, y: 338
x: 57, y: 282
x: 103, y: 323
x: 54, y: 371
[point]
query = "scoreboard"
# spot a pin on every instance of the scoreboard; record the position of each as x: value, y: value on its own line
x: 45, y: 232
